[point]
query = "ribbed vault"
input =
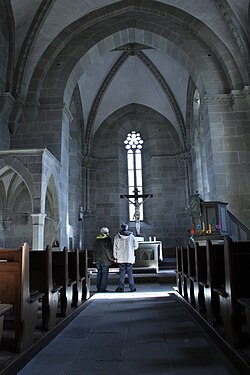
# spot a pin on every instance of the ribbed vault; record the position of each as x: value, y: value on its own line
x: 68, y: 56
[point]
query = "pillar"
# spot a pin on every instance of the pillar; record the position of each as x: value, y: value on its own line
x: 38, y: 231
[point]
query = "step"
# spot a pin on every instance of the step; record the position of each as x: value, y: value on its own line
x: 167, y: 264
x: 161, y: 277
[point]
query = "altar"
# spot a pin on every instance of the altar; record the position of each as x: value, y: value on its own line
x: 148, y: 254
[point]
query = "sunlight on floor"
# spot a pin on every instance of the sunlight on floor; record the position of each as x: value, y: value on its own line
x: 135, y: 295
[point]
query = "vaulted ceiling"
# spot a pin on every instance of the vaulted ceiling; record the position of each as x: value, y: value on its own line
x: 118, y: 53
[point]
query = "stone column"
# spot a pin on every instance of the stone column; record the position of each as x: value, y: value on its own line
x: 54, y: 121
x: 65, y: 229
x: 38, y: 231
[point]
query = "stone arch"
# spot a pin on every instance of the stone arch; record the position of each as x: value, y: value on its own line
x: 67, y: 67
x: 50, y: 184
x: 2, y: 193
x: 51, y: 200
x: 16, y: 208
x: 248, y: 29
x: 51, y: 209
x: 199, y: 72
x: 190, y: 111
x: 76, y: 145
x: 7, y: 28
x: 119, y: 125
x: 10, y: 163
x: 30, y: 36
x: 91, y: 126
x: 161, y: 162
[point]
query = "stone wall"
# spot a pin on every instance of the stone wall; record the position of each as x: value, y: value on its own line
x: 228, y: 154
x: 164, y: 176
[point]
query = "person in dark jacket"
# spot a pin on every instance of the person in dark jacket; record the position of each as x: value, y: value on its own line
x: 103, y: 257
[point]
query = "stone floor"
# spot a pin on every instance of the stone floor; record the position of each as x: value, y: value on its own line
x: 151, y: 331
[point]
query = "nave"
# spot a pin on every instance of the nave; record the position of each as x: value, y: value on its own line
x: 152, y: 331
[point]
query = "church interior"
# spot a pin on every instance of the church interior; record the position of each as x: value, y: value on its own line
x: 133, y: 112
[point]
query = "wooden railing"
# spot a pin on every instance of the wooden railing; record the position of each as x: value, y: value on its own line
x: 237, y: 230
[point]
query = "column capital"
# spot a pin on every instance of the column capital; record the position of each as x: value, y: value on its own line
x: 38, y: 219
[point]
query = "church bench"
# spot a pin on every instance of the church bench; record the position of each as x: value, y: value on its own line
x: 15, y: 290
x: 4, y: 308
x: 84, y: 274
x: 60, y: 274
x: 41, y: 279
x: 184, y: 271
x: 236, y: 291
x: 191, y: 280
x: 215, y: 279
x: 245, y: 302
x: 201, y: 278
x: 178, y: 269
x: 74, y: 275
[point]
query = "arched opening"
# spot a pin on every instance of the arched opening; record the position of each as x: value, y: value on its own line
x: 15, y: 209
x: 52, y: 222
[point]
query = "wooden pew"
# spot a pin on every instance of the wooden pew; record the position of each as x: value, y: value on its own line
x: 60, y: 274
x: 245, y: 303
x: 192, y: 279
x: 74, y: 275
x: 4, y: 308
x: 178, y: 270
x: 41, y: 279
x: 184, y: 273
x: 215, y: 279
x: 201, y: 278
x: 84, y: 274
x: 237, y: 263
x: 15, y: 290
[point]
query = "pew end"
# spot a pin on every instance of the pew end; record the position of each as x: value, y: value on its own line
x: 41, y: 279
x: 84, y: 274
x: 201, y: 277
x: 215, y: 279
x: 245, y: 302
x: 236, y: 292
x: 74, y: 276
x: 15, y: 290
x: 60, y: 276
x: 4, y: 308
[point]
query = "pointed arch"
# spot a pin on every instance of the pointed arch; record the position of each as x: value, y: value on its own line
x: 51, y: 199
x: 15, y: 207
x: 11, y: 167
x: 7, y: 30
x: 52, y: 222
x: 160, y: 80
x: 160, y: 34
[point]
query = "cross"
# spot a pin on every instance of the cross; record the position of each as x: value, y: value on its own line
x: 137, y: 204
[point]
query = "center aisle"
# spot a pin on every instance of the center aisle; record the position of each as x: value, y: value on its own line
x: 149, y: 332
